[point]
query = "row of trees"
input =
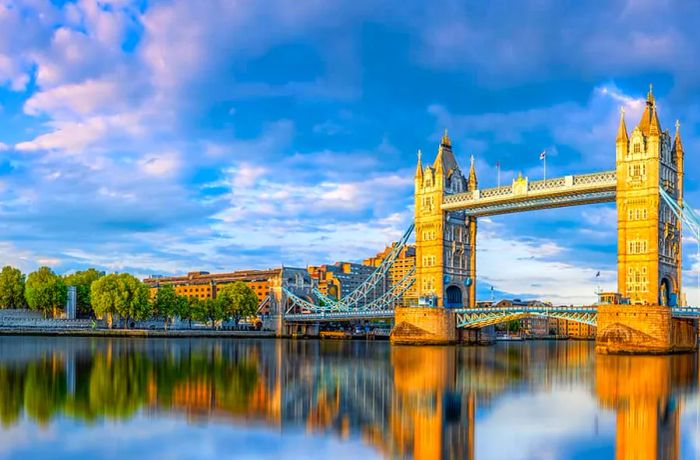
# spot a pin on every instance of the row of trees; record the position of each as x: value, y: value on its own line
x: 120, y: 295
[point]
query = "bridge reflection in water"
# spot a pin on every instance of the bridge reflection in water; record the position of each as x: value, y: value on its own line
x: 400, y: 401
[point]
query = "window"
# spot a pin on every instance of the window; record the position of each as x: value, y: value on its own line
x: 637, y: 148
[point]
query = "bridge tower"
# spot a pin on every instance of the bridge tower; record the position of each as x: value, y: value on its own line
x: 445, y: 253
x: 445, y: 241
x: 649, y: 243
x: 649, y: 234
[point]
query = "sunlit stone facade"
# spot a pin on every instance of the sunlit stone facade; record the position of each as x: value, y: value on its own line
x: 445, y: 259
x: 649, y: 234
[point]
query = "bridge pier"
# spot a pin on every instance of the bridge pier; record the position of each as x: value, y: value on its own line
x: 643, y: 329
x: 424, y: 326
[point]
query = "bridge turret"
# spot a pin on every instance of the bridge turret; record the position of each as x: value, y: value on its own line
x: 419, y: 169
x: 678, y: 155
x: 472, y: 183
x: 622, y: 142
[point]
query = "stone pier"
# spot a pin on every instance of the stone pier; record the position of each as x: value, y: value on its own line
x: 642, y: 329
x: 424, y: 326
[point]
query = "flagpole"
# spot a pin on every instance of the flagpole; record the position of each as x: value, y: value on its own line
x: 545, y: 167
x: 498, y: 173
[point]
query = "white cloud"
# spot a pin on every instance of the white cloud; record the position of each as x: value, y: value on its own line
x: 23, y: 259
x: 589, y: 129
x: 165, y: 164
x: 83, y: 98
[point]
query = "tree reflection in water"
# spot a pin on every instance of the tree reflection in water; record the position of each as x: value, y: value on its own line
x: 419, y: 402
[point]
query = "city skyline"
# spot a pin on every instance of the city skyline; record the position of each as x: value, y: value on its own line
x: 165, y: 138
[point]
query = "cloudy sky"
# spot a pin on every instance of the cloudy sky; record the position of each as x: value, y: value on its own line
x: 168, y: 136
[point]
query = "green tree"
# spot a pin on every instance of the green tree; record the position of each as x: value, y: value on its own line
x: 514, y: 326
x: 119, y: 294
x: 191, y: 309
x: 11, y: 288
x: 136, y: 305
x: 82, y: 281
x: 106, y: 298
x: 210, y: 310
x: 168, y: 304
x: 45, y: 291
x: 239, y: 300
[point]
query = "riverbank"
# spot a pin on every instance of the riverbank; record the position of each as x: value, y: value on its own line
x: 134, y: 332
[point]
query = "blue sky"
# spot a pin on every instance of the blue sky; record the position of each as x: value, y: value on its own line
x: 168, y: 136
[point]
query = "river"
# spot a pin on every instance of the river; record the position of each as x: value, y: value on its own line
x: 102, y: 398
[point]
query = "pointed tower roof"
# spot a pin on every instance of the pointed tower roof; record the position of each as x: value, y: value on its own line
x: 419, y: 166
x: 445, y: 160
x: 655, y: 126
x: 472, y: 175
x: 677, y: 144
x: 649, y: 124
x: 446, y: 139
x: 622, y: 128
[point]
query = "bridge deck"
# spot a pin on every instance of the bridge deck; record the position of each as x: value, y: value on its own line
x: 525, y: 195
x: 480, y: 317
x: 339, y: 316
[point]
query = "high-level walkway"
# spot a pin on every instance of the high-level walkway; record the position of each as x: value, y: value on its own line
x: 525, y: 195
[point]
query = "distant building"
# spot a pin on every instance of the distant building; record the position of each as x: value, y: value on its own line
x: 404, y: 263
x: 339, y: 279
x: 543, y: 326
x: 205, y: 285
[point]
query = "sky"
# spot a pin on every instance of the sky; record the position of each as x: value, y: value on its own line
x: 161, y: 137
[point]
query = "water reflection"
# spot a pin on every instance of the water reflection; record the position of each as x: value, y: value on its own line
x: 401, y: 402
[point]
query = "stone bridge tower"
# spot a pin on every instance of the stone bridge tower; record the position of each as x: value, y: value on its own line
x: 445, y: 241
x: 649, y: 234
x: 649, y: 243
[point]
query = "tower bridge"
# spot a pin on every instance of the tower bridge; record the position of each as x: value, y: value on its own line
x: 647, y: 313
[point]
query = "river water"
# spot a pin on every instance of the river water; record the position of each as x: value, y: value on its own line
x: 101, y: 398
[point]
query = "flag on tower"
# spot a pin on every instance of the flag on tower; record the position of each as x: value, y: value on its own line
x: 597, y: 274
x: 543, y: 155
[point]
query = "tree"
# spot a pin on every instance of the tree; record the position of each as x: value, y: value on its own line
x: 106, y: 297
x: 239, y: 300
x: 167, y: 303
x: 45, y: 291
x: 83, y: 281
x: 119, y: 294
x: 211, y: 310
x: 190, y: 310
x: 514, y: 326
x: 11, y: 288
x: 136, y: 304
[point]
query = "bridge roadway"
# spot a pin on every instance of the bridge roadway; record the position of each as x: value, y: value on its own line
x: 482, y: 317
x: 526, y: 195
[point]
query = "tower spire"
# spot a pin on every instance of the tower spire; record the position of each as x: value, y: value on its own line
x: 654, y: 126
x: 419, y: 166
x: 446, y: 139
x: 445, y: 161
x: 622, y: 128
x: 677, y: 144
x: 649, y: 124
x: 472, y: 175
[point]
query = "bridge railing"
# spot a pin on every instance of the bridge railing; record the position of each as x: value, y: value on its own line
x: 528, y: 309
x: 523, y: 187
x: 546, y: 184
